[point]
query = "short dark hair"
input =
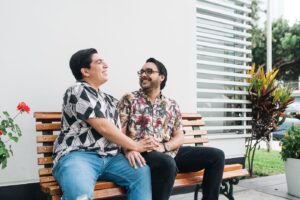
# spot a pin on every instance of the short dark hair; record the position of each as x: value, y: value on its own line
x: 162, y: 70
x: 81, y: 59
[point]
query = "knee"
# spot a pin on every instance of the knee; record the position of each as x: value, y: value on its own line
x: 70, y: 180
x: 219, y: 155
x: 144, y: 172
x: 78, y: 191
x: 167, y: 165
x: 144, y: 176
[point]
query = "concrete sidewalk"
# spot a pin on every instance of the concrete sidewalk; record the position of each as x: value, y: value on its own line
x: 262, y: 188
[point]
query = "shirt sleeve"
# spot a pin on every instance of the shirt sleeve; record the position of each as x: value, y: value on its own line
x: 85, y: 105
x: 124, y: 110
x: 178, y: 118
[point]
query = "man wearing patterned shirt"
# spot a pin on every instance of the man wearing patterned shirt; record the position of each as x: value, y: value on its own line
x: 148, y: 113
x: 88, y: 147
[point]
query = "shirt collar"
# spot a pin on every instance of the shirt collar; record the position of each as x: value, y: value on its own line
x: 89, y: 87
x: 143, y: 94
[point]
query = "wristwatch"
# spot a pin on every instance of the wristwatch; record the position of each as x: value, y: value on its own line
x: 166, y: 147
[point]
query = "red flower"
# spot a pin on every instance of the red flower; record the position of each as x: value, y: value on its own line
x: 22, y: 106
x: 1, y: 132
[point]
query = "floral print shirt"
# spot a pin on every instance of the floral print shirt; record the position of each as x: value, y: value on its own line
x: 140, y: 117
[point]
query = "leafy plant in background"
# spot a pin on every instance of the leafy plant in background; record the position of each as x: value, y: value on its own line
x: 269, y: 99
x: 9, y: 131
x: 291, y: 144
x: 285, y: 45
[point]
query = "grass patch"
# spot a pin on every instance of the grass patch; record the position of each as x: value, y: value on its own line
x: 267, y: 163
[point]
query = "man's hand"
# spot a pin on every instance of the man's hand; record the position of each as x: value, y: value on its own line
x: 146, y: 144
x: 160, y: 148
x: 135, y: 157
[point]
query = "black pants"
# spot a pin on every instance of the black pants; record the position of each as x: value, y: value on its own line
x: 188, y: 159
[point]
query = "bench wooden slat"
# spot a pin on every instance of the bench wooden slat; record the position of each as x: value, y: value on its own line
x: 232, y: 167
x: 112, y: 192
x: 227, y: 168
x: 235, y: 173
x: 54, y: 188
x: 195, y: 140
x: 45, y: 186
x: 44, y: 149
x: 46, y: 179
x: 195, y: 132
x: 45, y: 160
x: 191, y: 116
x: 45, y: 138
x: 108, y: 192
x: 48, y: 127
x: 192, y: 123
x: 54, y: 116
x: 45, y: 171
x: 188, y: 181
x: 104, y: 185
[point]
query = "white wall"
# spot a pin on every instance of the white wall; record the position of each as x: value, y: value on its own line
x: 38, y: 37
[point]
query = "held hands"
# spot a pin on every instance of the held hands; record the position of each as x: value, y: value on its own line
x: 146, y: 144
x: 160, y: 148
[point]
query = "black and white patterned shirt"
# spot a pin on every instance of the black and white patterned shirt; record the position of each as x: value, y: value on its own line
x: 80, y: 103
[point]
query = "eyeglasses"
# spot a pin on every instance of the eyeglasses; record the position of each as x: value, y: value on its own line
x: 148, y: 72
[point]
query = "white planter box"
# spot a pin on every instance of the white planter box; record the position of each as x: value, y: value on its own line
x: 292, y: 172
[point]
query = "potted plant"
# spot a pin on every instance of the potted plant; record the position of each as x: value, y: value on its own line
x: 290, y: 153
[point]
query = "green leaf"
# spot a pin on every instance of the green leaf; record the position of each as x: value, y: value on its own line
x: 15, y: 139
x: 6, y: 114
x: 10, y: 150
x: 10, y: 122
x: 3, y: 162
x: 4, y: 123
x: 18, y: 130
x: 3, y: 155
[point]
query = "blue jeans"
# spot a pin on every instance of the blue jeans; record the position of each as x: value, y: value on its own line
x: 78, y: 172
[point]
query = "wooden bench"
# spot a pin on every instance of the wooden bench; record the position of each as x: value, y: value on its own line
x: 48, y: 127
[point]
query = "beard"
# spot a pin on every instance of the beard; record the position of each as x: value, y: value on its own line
x: 147, y: 83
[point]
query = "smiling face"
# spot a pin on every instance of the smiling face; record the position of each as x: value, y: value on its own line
x: 97, y: 74
x: 149, y: 77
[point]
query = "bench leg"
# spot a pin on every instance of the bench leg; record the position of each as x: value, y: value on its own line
x: 198, y: 187
x: 227, y: 187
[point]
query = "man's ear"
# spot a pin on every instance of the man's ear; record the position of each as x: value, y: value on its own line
x: 85, y: 72
x: 162, y: 77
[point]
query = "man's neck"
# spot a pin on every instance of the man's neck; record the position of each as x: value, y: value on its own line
x: 152, y: 94
x: 93, y: 85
